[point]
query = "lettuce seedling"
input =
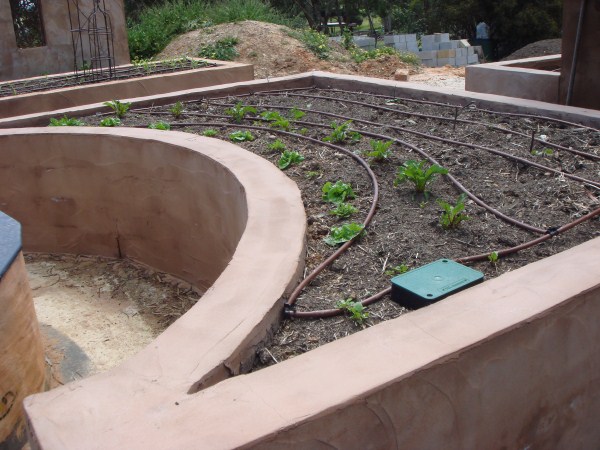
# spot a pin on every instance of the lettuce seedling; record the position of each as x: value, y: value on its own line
x: 343, y: 210
x: 356, y: 310
x: 397, y: 270
x: 209, y: 133
x: 164, y: 126
x: 289, y: 158
x: 337, y: 192
x: 296, y: 114
x: 65, y: 122
x: 241, y: 136
x: 345, y: 233
x: 110, y: 122
x: 176, y: 110
x: 277, y: 146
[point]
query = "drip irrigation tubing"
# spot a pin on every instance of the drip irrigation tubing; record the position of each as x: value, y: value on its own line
x: 443, y: 119
x: 424, y: 154
x: 435, y: 138
x: 323, y: 313
x: 289, y: 306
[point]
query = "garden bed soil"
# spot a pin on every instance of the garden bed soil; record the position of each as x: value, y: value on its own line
x: 406, y: 228
x: 66, y: 80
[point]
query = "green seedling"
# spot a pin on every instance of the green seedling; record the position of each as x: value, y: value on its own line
x: 289, y: 158
x: 65, y: 122
x: 110, y: 122
x: 416, y: 173
x: 397, y: 270
x: 343, y: 210
x: 337, y: 192
x: 119, y: 108
x: 345, y: 233
x: 164, y: 126
x: 355, y: 309
x: 312, y: 174
x: 381, y: 150
x: 453, y: 215
x: 176, y: 110
x: 303, y: 131
x: 342, y: 133
x: 239, y: 112
x: 493, y: 257
x: 543, y: 152
x: 276, y: 119
x: 277, y: 146
x: 241, y: 136
x: 296, y: 114
x: 271, y: 115
x: 209, y: 133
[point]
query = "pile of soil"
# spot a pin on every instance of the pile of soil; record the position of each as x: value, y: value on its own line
x: 406, y: 228
x: 539, y: 48
x: 275, y: 52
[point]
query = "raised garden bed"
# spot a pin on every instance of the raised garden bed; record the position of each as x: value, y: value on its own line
x: 67, y: 90
x: 542, y: 192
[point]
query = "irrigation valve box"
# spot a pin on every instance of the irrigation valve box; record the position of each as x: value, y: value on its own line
x: 432, y: 282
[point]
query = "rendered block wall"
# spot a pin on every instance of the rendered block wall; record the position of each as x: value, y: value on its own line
x: 57, y: 54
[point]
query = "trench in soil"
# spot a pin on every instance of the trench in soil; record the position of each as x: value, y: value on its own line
x: 406, y: 228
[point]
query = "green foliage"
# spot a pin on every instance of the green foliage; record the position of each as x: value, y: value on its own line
x: 493, y: 257
x: 343, y: 210
x: 345, y: 233
x: 397, y: 270
x: 277, y: 146
x: 239, y: 111
x: 543, y: 152
x: 288, y: 158
x: 241, y: 136
x: 209, y: 133
x: 65, y: 122
x: 341, y: 133
x: 164, y: 126
x: 276, y: 120
x: 452, y: 215
x: 176, y: 110
x: 312, y: 174
x: 297, y: 114
x: 222, y: 50
x: 110, y: 122
x: 355, y: 309
x: 337, y: 192
x: 120, y: 109
x: 316, y: 42
x: 381, y: 150
x: 360, y: 55
x: 416, y: 173
x: 151, y: 28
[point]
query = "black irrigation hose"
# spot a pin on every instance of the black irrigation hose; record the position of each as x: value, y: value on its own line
x: 322, y: 313
x: 441, y: 118
x: 439, y: 139
x: 289, y: 305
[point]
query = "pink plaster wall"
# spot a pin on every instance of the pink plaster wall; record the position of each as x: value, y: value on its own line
x: 57, y: 55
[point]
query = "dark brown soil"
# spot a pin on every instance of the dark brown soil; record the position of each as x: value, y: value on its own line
x: 539, y: 48
x: 406, y: 228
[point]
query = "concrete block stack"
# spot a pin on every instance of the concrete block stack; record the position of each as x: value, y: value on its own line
x: 437, y: 49
x: 402, y: 42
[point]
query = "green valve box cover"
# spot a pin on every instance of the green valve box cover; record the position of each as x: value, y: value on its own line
x: 432, y: 282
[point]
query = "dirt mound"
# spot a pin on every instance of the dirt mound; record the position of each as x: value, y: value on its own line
x: 274, y: 52
x: 539, y: 48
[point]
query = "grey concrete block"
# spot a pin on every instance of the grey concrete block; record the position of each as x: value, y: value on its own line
x: 463, y: 43
x: 389, y: 40
x: 461, y: 52
x: 446, y: 62
x: 429, y: 62
x: 400, y: 46
x: 410, y: 37
x: 441, y: 37
x: 427, y: 41
x: 470, y: 50
x: 461, y: 60
x: 428, y: 54
x: 473, y: 59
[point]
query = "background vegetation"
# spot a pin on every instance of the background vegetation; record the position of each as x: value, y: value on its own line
x: 513, y: 23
